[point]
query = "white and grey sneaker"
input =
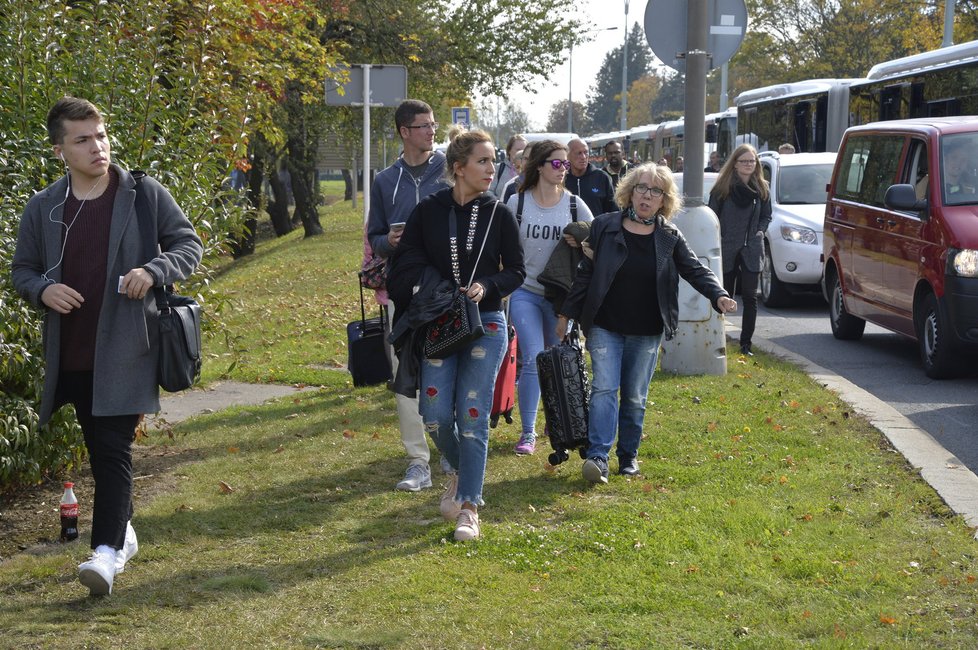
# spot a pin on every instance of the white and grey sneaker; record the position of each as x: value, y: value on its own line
x: 417, y: 477
x: 99, y: 571
x: 129, y: 549
x: 467, y: 526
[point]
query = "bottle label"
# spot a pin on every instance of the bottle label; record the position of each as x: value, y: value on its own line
x: 69, y: 509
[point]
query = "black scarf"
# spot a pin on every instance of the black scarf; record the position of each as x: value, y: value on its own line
x: 742, y: 195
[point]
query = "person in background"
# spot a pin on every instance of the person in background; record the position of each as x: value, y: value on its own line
x: 714, y: 165
x: 508, y: 169
x: 585, y: 180
x: 456, y: 392
x: 81, y: 257
x: 514, y: 183
x: 615, y: 165
x: 680, y: 164
x: 394, y: 194
x: 627, y: 300
x: 741, y: 199
x: 786, y: 148
x: 545, y: 211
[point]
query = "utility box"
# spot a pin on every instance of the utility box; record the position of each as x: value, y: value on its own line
x: 700, y: 344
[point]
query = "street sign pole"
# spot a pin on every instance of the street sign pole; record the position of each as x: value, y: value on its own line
x: 695, y: 135
x: 366, y: 142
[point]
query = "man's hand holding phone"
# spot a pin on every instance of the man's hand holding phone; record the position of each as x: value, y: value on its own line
x: 394, y: 234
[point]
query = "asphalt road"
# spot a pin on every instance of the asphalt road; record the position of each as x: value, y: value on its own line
x: 885, y: 365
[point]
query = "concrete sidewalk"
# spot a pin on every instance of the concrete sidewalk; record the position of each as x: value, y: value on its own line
x: 954, y: 482
x: 176, y: 407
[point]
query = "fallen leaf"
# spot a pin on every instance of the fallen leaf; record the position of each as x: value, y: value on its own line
x: 532, y: 509
x: 183, y: 507
x: 887, y: 620
x: 291, y: 416
x: 348, y: 434
x: 225, y: 488
x: 375, y: 436
x: 279, y: 449
x: 233, y: 450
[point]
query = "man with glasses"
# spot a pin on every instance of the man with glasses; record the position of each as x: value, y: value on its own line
x: 614, y: 165
x: 418, y: 172
x: 585, y: 180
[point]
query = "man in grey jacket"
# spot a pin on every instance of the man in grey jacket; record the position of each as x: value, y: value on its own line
x: 81, y: 259
x: 396, y: 191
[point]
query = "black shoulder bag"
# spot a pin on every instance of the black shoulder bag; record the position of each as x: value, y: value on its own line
x: 179, y: 316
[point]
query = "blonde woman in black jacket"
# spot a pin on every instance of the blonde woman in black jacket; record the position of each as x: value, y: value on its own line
x: 627, y: 300
x: 741, y: 200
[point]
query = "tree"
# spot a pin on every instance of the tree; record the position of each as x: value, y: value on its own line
x: 557, y: 120
x: 604, y: 98
x: 670, y: 102
x: 641, y: 95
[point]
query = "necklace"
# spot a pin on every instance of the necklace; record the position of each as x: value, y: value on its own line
x: 630, y: 213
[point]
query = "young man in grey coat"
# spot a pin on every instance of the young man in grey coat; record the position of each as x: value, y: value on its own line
x: 397, y: 190
x: 81, y: 259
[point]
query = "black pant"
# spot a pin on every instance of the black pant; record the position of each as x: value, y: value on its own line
x: 109, y: 443
x: 748, y: 291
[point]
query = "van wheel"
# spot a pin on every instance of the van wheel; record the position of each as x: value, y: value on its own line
x: 934, y: 338
x: 774, y: 292
x: 845, y: 326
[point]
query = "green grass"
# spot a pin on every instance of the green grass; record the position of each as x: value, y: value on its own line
x: 768, y: 515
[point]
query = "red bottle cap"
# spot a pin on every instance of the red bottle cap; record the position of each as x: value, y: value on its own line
x: 69, y: 484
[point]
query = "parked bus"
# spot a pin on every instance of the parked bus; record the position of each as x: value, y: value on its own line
x: 811, y: 115
x: 938, y: 83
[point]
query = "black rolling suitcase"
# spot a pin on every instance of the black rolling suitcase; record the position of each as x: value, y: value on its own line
x: 366, y: 355
x: 566, y: 391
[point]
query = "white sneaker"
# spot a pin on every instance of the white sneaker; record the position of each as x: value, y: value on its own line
x: 99, y: 571
x: 449, y: 508
x: 467, y: 525
x: 417, y: 477
x: 129, y: 549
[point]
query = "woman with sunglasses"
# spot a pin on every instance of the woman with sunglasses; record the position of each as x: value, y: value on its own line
x: 741, y: 199
x: 543, y: 207
x: 626, y: 299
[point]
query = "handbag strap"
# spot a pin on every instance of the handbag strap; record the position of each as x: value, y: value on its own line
x: 148, y: 229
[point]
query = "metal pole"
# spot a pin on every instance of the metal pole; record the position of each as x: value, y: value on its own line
x: 570, y: 88
x: 723, y: 88
x: 696, y: 64
x: 624, y: 75
x: 948, y: 23
x: 366, y: 142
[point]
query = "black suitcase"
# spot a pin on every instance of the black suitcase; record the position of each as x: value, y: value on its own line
x: 566, y: 391
x: 367, y: 357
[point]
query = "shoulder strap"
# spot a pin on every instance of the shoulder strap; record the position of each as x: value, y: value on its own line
x: 519, y: 209
x: 573, y: 206
x: 148, y: 229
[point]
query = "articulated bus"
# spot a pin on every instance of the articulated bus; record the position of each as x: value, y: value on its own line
x: 652, y: 142
x: 810, y: 115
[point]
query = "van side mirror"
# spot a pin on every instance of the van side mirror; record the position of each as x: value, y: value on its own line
x: 904, y: 197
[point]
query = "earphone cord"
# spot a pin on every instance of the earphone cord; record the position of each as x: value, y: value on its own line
x: 64, y: 242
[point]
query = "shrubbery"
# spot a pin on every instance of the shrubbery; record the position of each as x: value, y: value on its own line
x: 157, y: 70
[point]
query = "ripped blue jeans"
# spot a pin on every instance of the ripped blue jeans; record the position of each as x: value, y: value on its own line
x: 455, y: 401
x: 620, y: 364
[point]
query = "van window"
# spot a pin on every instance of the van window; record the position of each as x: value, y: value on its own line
x: 916, y: 173
x: 959, y: 177
x: 868, y: 167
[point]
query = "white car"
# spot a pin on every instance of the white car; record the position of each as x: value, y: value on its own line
x: 709, y: 178
x: 793, y: 242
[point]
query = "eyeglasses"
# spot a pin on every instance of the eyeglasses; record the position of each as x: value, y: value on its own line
x: 557, y: 163
x: 747, y: 161
x: 648, y: 190
x: 427, y: 125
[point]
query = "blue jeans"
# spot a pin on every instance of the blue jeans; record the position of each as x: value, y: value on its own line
x: 455, y: 401
x: 536, y: 325
x: 624, y: 362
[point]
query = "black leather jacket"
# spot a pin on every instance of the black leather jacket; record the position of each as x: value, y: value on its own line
x: 673, y: 259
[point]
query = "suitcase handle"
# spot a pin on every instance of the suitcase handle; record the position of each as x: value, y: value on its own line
x: 363, y: 311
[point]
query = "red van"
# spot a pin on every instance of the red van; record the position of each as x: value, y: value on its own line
x: 900, y: 243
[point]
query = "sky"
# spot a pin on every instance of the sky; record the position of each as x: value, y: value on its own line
x: 597, y: 15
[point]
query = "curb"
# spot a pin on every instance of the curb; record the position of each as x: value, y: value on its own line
x: 954, y: 482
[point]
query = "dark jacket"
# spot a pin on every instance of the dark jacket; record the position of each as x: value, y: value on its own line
x: 673, y: 259
x: 433, y: 297
x: 557, y: 276
x: 740, y: 221
x: 595, y: 189
x: 127, y: 343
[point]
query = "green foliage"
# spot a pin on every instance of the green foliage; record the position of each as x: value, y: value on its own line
x: 604, y: 97
x: 557, y: 119
x: 161, y: 77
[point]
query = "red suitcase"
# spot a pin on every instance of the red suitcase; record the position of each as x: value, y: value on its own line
x: 503, y: 397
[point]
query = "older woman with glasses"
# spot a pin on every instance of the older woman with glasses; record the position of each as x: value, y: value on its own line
x: 627, y: 300
x: 741, y: 200
x: 543, y: 208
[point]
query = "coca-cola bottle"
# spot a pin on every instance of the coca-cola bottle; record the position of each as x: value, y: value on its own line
x: 69, y: 514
